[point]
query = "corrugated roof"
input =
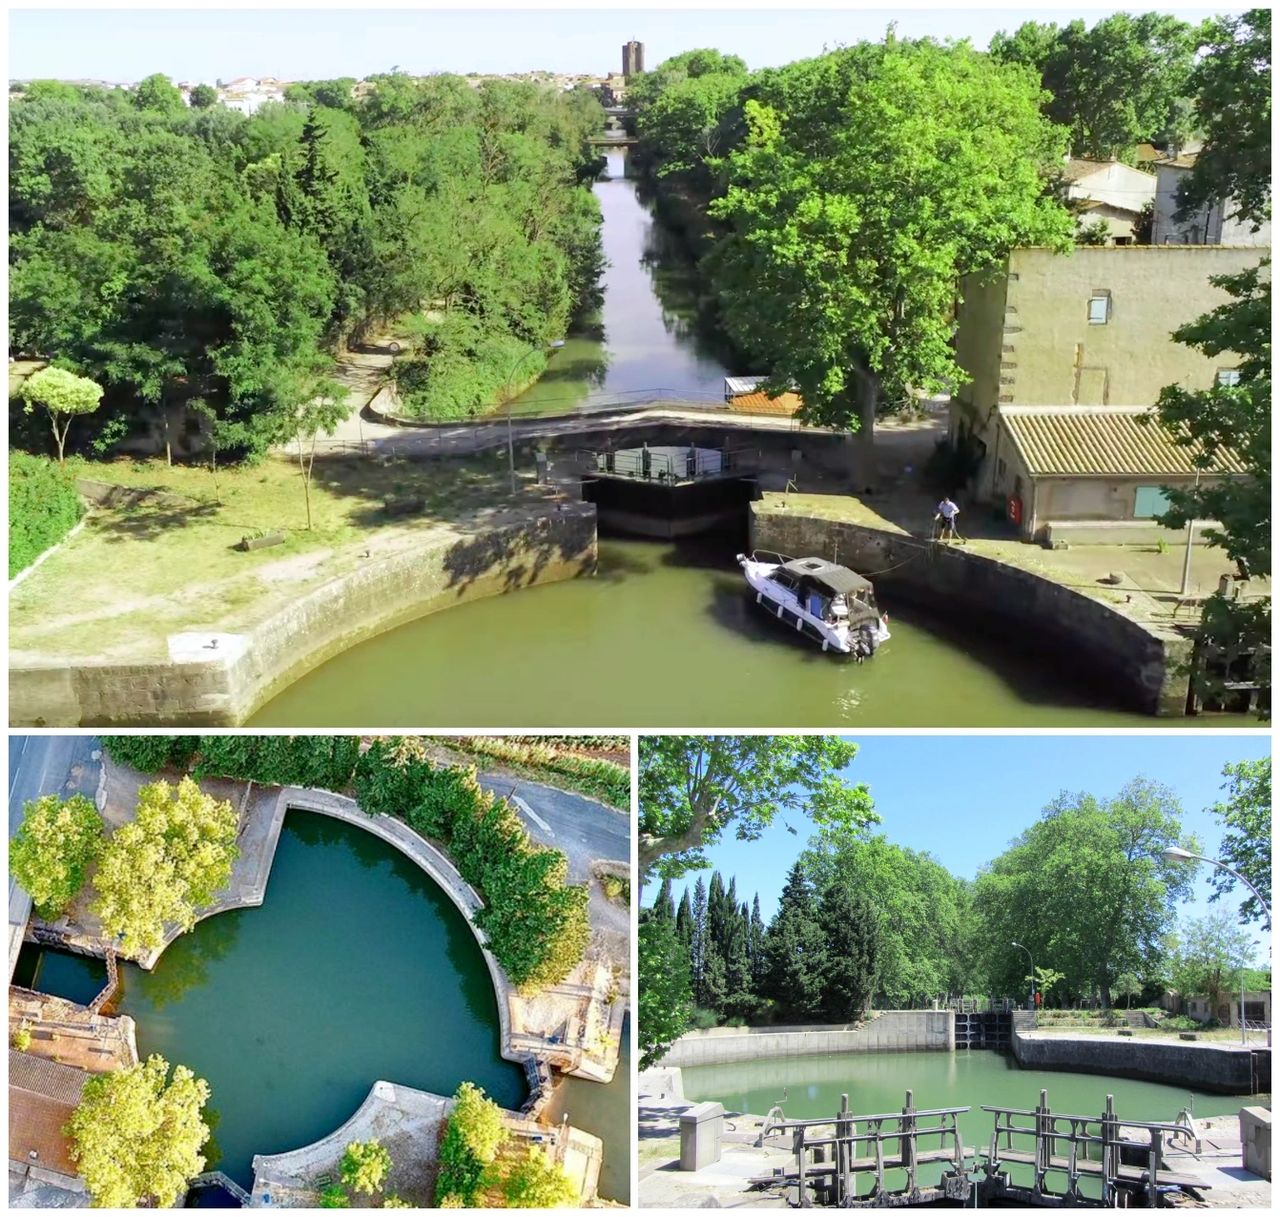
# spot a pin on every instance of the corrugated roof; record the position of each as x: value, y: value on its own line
x: 42, y: 1076
x: 733, y: 385
x: 785, y: 404
x: 1092, y: 441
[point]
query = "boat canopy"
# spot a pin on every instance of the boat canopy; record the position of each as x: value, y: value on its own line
x: 836, y: 579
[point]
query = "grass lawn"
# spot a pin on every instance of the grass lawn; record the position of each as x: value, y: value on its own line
x: 135, y: 574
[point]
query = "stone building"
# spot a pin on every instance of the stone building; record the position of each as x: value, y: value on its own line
x: 1216, y: 224
x: 1063, y: 354
x: 632, y: 58
x: 1110, y: 191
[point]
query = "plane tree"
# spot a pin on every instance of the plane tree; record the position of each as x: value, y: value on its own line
x: 869, y: 181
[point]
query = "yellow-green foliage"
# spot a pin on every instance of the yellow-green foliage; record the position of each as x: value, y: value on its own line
x: 53, y: 848
x: 164, y: 864
x: 365, y: 1166
x: 535, y: 1182
x: 136, y: 1136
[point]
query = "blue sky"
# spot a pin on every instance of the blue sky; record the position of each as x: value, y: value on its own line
x: 302, y: 42
x: 963, y: 798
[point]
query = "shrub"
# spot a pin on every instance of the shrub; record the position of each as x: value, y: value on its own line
x: 323, y: 761
x: 151, y: 753
x: 53, y: 849
x: 365, y: 1166
x: 21, y: 1038
x: 333, y: 1197
x: 43, y: 507
x: 535, y: 1182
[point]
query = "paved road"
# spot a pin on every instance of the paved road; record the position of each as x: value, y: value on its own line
x: 38, y: 765
x: 584, y: 829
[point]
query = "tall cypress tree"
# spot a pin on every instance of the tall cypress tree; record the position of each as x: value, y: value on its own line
x: 853, y: 939
x: 684, y: 921
x: 795, y: 951
x: 714, y: 978
x: 664, y: 908
x: 740, y: 1000
x: 755, y: 946
x: 698, y: 942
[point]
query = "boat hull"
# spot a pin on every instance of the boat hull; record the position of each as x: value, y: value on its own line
x: 857, y: 642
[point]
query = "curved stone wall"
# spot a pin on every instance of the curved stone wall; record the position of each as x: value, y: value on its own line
x: 1145, y: 662
x: 206, y: 683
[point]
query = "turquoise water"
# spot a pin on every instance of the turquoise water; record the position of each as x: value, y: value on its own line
x: 357, y: 968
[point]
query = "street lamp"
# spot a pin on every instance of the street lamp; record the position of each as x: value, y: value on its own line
x: 511, y: 443
x: 1176, y: 853
x: 1032, y: 962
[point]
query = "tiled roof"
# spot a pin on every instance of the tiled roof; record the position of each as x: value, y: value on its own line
x: 758, y: 403
x: 1079, y: 167
x: 42, y: 1096
x: 1091, y: 441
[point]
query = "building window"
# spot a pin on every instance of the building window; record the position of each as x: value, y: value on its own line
x: 1149, y: 502
x: 1227, y: 377
x: 1099, y: 308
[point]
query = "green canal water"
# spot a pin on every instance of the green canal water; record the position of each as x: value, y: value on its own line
x: 665, y: 636
x: 809, y: 1087
x: 357, y: 968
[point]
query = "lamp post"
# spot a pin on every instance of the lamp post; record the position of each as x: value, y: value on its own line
x: 1176, y: 854
x: 1032, y: 962
x: 511, y: 443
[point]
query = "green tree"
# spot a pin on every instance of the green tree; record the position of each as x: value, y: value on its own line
x: 1232, y: 87
x: 365, y: 1166
x: 664, y: 1004
x: 1085, y: 890
x: 535, y: 1182
x: 334, y: 1197
x: 1114, y: 84
x: 1246, y: 845
x: 318, y: 407
x: 1233, y: 419
x: 136, y: 1134
x: 869, y: 182
x: 203, y: 96
x: 64, y: 396
x: 159, y: 94
x: 164, y: 864
x: 1208, y: 955
x: 473, y: 1136
x: 53, y: 849
x: 693, y: 788
x: 796, y: 951
x: 851, y: 929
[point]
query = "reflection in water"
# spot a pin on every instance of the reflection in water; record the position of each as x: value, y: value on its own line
x: 646, y: 340
x: 665, y: 636
x: 876, y: 1083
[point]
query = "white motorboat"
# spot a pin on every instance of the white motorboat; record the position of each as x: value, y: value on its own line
x: 830, y: 604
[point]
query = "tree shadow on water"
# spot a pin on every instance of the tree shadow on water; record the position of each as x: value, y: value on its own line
x: 185, y: 963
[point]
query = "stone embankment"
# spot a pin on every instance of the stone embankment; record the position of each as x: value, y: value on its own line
x: 1221, y: 1068
x: 1145, y: 662
x: 219, y: 678
x: 409, y: 1124
x: 888, y: 1031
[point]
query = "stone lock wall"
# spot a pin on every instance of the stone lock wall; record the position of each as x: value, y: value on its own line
x: 203, y: 685
x: 1144, y: 662
x: 889, y: 1031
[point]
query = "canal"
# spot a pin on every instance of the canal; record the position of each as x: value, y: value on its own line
x: 357, y: 968
x: 665, y: 636
x: 645, y: 341
x: 809, y: 1087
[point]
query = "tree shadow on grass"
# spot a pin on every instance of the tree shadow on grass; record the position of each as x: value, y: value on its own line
x: 147, y: 520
